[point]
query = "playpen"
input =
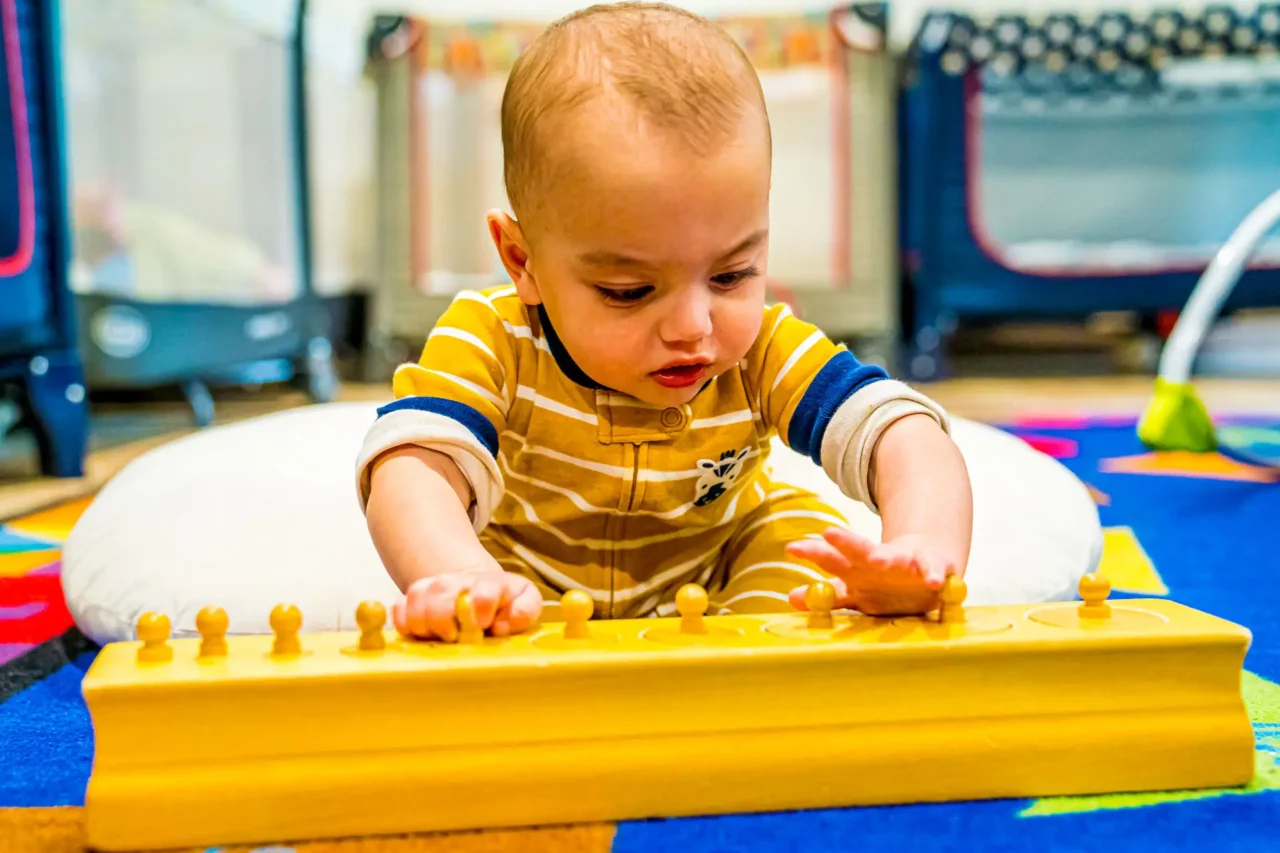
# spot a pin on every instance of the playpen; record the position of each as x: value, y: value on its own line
x: 38, y: 361
x: 829, y: 86
x: 188, y: 151
x: 1060, y: 165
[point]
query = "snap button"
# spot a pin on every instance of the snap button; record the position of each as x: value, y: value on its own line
x: 672, y: 418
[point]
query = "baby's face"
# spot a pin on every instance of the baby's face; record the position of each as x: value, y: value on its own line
x: 651, y: 261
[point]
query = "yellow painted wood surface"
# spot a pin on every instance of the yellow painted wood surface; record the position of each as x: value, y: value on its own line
x: 759, y: 713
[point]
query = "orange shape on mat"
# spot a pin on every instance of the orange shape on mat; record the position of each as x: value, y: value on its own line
x: 1182, y: 463
x: 55, y: 523
x: 20, y: 563
x: 61, y: 829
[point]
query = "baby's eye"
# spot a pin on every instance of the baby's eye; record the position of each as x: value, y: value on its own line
x: 729, y: 279
x: 624, y: 296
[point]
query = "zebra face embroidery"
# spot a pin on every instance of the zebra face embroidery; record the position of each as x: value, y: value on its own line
x: 718, y: 475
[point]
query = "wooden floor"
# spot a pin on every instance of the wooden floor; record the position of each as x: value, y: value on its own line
x: 989, y: 400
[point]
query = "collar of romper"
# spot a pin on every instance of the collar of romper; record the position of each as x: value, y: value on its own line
x: 626, y: 424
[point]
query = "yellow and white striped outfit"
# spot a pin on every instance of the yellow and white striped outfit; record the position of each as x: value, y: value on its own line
x: 580, y: 487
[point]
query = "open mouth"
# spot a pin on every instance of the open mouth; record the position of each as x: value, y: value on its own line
x: 679, y: 375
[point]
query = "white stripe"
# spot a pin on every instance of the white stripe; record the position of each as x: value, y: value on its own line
x: 473, y: 296
x: 527, y: 333
x: 800, y: 570
x: 755, y: 593
x: 581, y: 502
x: 759, y: 490
x: 723, y: 420
x: 666, y: 577
x: 796, y: 355
x: 621, y: 401
x: 524, y: 392
x: 782, y: 315
x: 624, y: 473
x: 794, y: 513
x: 605, y: 544
x: 449, y: 332
x: 781, y: 493
x: 473, y: 388
x: 501, y: 294
x: 562, y: 580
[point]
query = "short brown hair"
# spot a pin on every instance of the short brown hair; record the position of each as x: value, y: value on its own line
x: 682, y: 71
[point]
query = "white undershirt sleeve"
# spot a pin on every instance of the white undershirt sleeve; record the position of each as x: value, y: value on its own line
x: 850, y: 440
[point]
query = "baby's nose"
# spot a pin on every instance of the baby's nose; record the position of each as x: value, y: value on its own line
x: 689, y: 320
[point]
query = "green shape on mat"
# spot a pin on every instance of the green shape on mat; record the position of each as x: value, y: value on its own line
x: 1176, y: 419
x: 1262, y: 698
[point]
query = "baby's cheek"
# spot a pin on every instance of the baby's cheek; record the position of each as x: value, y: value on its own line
x: 736, y: 326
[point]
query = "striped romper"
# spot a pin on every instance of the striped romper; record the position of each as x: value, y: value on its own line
x: 580, y: 487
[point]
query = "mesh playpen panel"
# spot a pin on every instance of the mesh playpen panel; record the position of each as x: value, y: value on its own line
x: 832, y: 203
x: 1126, y: 141
x: 179, y: 149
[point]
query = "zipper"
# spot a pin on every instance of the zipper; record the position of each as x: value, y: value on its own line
x: 632, y: 487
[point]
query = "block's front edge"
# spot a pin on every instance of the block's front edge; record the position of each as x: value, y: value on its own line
x: 328, y: 796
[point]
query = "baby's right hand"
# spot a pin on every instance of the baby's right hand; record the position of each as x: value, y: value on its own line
x: 501, y: 603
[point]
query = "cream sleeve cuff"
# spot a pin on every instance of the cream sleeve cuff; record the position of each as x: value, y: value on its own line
x: 849, y: 443
x: 444, y: 435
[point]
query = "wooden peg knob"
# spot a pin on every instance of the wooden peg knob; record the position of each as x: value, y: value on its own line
x: 286, y: 622
x: 576, y: 607
x: 212, y: 624
x: 1094, y: 589
x: 691, y: 602
x: 468, y: 631
x: 819, y: 598
x: 153, y: 630
x: 371, y: 617
x: 954, y: 592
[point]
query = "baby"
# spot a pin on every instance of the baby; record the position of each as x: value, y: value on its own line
x: 604, y: 424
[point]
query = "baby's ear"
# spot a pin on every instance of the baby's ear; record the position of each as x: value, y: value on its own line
x: 513, y: 251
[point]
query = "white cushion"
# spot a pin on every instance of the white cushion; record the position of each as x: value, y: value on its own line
x: 253, y: 514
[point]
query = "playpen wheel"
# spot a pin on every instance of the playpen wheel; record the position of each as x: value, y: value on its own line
x: 201, y: 401
x: 322, y: 378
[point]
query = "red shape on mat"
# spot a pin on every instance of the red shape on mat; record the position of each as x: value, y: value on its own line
x: 1058, y: 448
x: 1070, y: 421
x: 51, y: 621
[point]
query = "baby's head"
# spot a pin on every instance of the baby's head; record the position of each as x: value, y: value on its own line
x: 637, y: 162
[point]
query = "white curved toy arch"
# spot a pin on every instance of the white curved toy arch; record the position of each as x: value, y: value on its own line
x: 1212, y: 290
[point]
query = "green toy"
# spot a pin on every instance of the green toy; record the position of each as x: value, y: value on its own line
x: 1176, y: 419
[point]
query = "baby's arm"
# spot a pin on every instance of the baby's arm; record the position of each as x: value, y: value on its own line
x: 883, y: 444
x: 410, y: 485
x: 921, y: 484
x: 428, y: 476
x: 419, y: 523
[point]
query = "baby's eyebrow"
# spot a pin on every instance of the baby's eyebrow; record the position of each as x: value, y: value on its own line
x: 610, y: 259
x: 614, y: 259
x: 750, y: 243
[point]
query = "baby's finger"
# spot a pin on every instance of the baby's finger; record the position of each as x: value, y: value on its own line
x: 397, y: 618
x: 525, y: 608
x: 488, y: 595
x: 822, y: 555
x: 933, y: 569
x: 439, y: 610
x: 415, y: 609
x: 857, y: 549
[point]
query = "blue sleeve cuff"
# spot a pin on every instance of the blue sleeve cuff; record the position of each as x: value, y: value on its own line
x: 839, y: 379
x: 477, y: 424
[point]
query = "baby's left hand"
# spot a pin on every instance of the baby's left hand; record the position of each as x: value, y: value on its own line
x: 899, y: 577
